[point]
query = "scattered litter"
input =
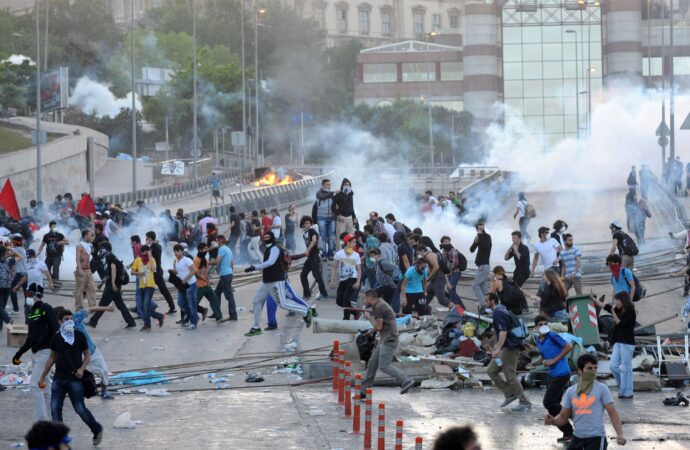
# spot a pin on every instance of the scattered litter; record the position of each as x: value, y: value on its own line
x: 17, y: 445
x: 316, y: 412
x: 291, y: 346
x: 105, y: 339
x: 125, y: 391
x: 158, y: 393
x: 139, y: 378
x: 254, y: 378
x: 241, y: 309
x: 210, y: 375
x: 141, y: 340
x: 160, y: 347
x: 218, y: 380
x: 124, y: 420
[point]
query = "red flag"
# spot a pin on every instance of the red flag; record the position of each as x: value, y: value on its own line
x: 8, y: 201
x: 86, y: 208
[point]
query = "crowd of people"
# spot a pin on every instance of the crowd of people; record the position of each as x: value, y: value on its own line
x: 398, y: 270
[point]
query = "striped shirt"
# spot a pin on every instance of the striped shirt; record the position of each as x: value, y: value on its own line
x: 569, y: 258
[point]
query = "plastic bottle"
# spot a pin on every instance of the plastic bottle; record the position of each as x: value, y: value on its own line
x: 499, y: 362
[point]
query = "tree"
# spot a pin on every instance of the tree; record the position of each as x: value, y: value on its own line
x: 17, y: 82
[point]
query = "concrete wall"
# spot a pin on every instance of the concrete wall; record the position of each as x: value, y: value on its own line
x: 64, y: 162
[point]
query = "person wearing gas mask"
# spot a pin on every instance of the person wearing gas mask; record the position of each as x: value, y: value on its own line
x: 55, y: 242
x: 344, y: 209
x: 554, y: 352
x: 42, y: 326
x: 36, y: 271
x: 273, y: 276
x: 69, y: 352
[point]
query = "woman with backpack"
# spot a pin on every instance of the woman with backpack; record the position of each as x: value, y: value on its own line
x: 508, y: 291
x: 552, y: 296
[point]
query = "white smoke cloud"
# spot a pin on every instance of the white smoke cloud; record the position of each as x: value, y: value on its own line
x: 91, y: 96
x: 18, y: 60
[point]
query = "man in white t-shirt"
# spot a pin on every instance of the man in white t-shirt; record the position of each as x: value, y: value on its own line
x: 348, y: 266
x: 277, y: 223
x: 185, y: 269
x: 203, y: 223
x: 546, y: 250
x: 35, y: 271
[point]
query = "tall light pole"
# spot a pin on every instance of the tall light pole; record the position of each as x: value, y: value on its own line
x: 672, y: 98
x: 590, y: 70
x: 195, y: 144
x: 244, y: 95
x: 428, y: 88
x: 134, y: 110
x: 577, y: 84
x: 257, y: 82
x: 39, y: 168
x: 45, y: 49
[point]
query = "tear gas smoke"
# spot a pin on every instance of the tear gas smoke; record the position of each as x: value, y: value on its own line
x: 93, y: 97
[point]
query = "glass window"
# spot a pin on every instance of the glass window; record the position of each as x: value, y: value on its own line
x: 570, y: 124
x: 386, y: 22
x: 512, y: 71
x: 531, y: 35
x: 532, y: 71
x: 341, y: 16
x: 418, y: 22
x: 363, y: 21
x: 512, y: 53
x: 553, y: 52
x: 516, y: 104
x: 656, y: 67
x: 534, y: 88
x: 552, y: 34
x: 595, y: 48
x: 535, y: 123
x: 418, y: 71
x: 551, y: 139
x: 681, y: 65
x: 320, y: 16
x: 380, y: 73
x: 569, y: 69
x: 512, y: 35
x: 569, y: 51
x: 299, y: 9
x: 454, y: 20
x: 435, y: 22
x: 553, y: 106
x: 534, y: 107
x: 553, y: 70
x: 512, y: 89
x: 553, y: 124
x: 451, y: 71
x: 570, y: 107
x: 531, y: 52
x: 553, y: 88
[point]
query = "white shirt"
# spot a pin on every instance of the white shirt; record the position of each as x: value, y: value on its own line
x: 184, y: 268
x: 348, y: 264
x: 276, y: 226
x: 203, y: 223
x: 34, y: 272
x: 390, y: 230
x: 522, y: 206
x: 547, y: 252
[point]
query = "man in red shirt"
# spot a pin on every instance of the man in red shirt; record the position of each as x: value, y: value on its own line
x: 266, y: 223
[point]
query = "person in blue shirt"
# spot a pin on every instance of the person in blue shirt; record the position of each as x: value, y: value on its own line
x: 216, y: 186
x: 226, y: 263
x: 413, y: 288
x: 554, y: 351
x: 622, y: 278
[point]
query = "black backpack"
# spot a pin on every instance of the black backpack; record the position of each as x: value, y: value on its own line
x: 121, y: 275
x: 365, y: 346
x: 628, y: 245
x: 443, y: 264
x: 462, y: 262
x: 513, y: 297
x: 640, y: 291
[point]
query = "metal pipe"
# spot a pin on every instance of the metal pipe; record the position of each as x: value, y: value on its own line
x: 134, y: 110
x: 195, y: 144
x: 39, y: 168
x: 672, y: 98
x: 45, y: 48
x: 244, y: 93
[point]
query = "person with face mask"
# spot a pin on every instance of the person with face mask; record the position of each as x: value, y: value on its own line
x: 348, y: 269
x: 273, y: 285
x: 42, y: 326
x: 413, y: 288
x: 622, y: 278
x: 36, y: 271
x: 204, y: 288
x: 69, y: 352
x: 585, y: 403
x: 54, y: 242
x: 343, y: 205
x: 144, y: 268
x: 554, y: 352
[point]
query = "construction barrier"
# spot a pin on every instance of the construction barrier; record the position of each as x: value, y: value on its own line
x: 356, y: 413
x: 398, y: 434
x: 334, y: 359
x: 367, y: 419
x: 341, y: 378
x: 348, y: 389
x: 418, y: 443
x: 382, y: 427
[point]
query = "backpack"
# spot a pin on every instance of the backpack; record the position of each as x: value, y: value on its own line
x: 443, y: 264
x: 284, y: 259
x: 519, y: 329
x: 365, y: 346
x: 121, y: 275
x: 628, y: 246
x: 530, y: 212
x: 462, y: 262
x: 513, y: 297
x: 395, y: 273
x: 640, y: 291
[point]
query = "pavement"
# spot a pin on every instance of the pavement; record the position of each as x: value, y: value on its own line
x: 305, y: 416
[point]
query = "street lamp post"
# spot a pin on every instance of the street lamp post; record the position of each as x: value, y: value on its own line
x: 257, y: 82
x: 195, y: 143
x: 244, y: 93
x: 577, y: 85
x: 428, y: 88
x: 39, y: 168
x: 134, y: 111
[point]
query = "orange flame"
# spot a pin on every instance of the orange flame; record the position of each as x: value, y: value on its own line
x: 272, y: 179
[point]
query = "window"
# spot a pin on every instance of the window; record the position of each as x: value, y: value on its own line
x: 436, y: 22
x: 364, y: 21
x: 386, y: 27
x: 681, y: 65
x: 319, y: 15
x: 656, y: 67
x: 380, y: 73
x: 418, y: 71
x: 451, y: 71
x: 418, y: 17
x: 454, y: 19
x: 341, y: 18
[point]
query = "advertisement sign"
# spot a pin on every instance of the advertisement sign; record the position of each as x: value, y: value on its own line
x: 172, y: 168
x: 54, y: 89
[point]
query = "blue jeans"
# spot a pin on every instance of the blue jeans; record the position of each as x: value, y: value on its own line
x: 13, y: 295
x: 560, y: 315
x: 327, y: 231
x: 454, y: 279
x: 138, y: 299
x: 148, y: 305
x: 186, y: 300
x: 621, y: 367
x: 75, y: 389
x: 225, y: 287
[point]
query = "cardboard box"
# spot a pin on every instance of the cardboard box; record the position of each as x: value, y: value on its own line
x: 16, y: 335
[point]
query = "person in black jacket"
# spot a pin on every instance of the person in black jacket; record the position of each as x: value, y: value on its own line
x: 343, y: 206
x: 42, y: 326
x: 156, y: 252
x: 482, y: 243
x: 623, y: 340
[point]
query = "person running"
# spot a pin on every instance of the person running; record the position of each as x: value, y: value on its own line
x: 382, y: 319
x: 112, y: 292
x: 622, y: 278
x: 54, y: 242
x: 436, y: 282
x: 571, y: 272
x: 623, y: 243
x: 325, y: 217
x: 7, y: 271
x: 157, y: 253
x: 185, y: 270
x: 413, y: 288
x: 254, y: 233
x: 554, y: 353
x: 505, y: 355
x: 313, y: 263
x: 482, y: 243
x: 16, y: 244
x: 69, y: 352
x: 276, y: 223
x: 203, y: 284
x: 216, y: 186
x: 520, y: 254
x: 521, y: 215
x: 226, y: 264
x: 344, y: 209
x: 546, y: 250
x: 290, y: 222
x: 273, y: 285
x: 386, y: 275
x: 348, y: 266
x: 456, y: 261
x: 551, y: 296
x: 144, y: 268
x: 585, y: 403
x: 83, y: 277
x: 43, y: 325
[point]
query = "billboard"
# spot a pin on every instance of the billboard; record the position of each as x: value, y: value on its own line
x: 54, y: 89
